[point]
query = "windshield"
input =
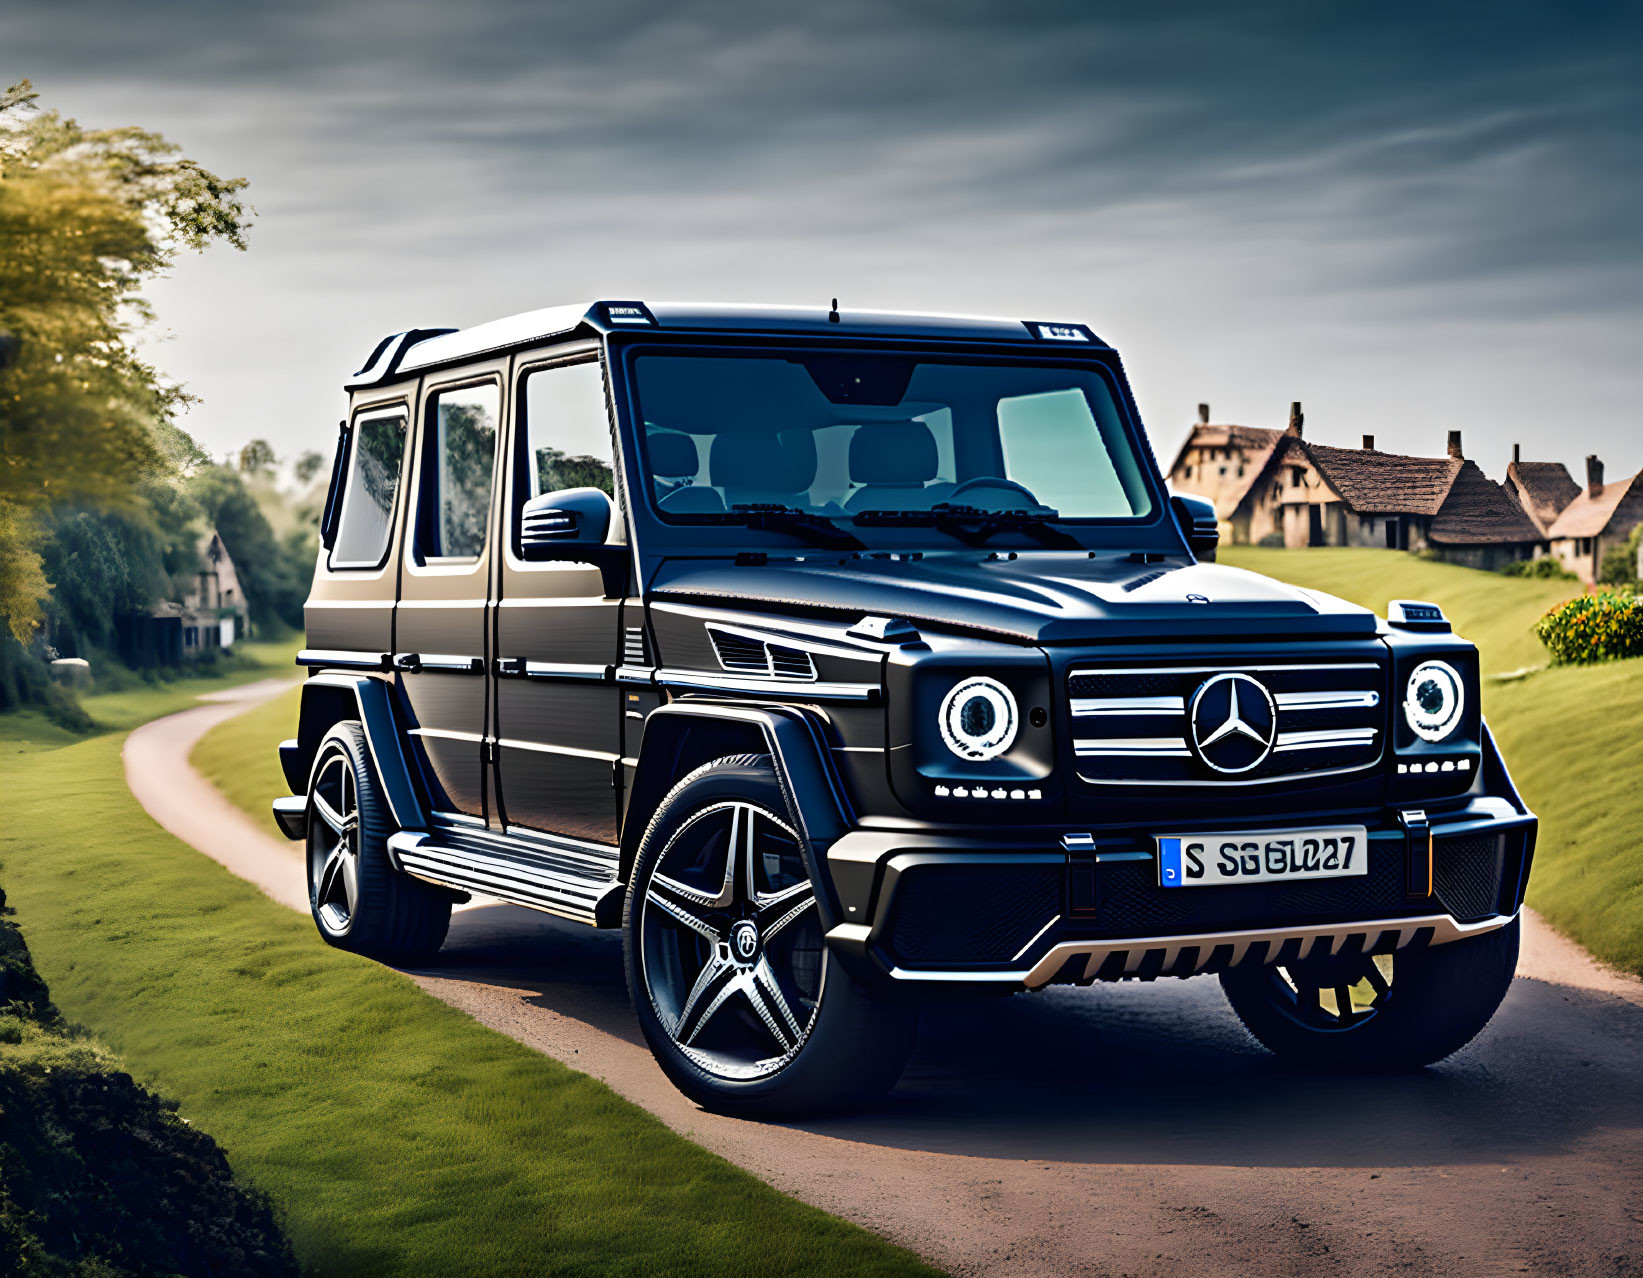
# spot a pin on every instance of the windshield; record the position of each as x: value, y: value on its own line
x: 854, y: 438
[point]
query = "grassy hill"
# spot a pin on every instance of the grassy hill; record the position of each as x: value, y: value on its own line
x: 1570, y: 735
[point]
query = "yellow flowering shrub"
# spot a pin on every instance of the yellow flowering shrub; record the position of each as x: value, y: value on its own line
x: 1594, y: 627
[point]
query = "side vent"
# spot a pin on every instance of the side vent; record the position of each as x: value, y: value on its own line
x: 746, y: 655
x: 791, y: 663
x: 633, y: 647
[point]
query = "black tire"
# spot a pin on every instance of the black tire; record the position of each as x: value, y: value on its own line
x: 832, y: 1042
x: 382, y: 913
x: 1405, y: 1010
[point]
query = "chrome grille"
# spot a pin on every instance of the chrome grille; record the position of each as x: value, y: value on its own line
x: 1131, y: 727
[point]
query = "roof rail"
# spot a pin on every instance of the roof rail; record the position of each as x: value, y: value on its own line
x: 384, y: 359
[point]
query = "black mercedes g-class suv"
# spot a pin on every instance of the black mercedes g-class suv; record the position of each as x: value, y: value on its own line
x: 837, y: 657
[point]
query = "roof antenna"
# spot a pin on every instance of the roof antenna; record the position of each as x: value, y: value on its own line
x: 833, y: 315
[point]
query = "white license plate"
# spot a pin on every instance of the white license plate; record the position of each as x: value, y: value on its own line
x: 1262, y: 856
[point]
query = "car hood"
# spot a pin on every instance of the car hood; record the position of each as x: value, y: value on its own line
x: 1038, y: 598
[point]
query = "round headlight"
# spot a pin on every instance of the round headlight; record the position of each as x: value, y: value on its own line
x: 1433, y: 700
x: 978, y: 719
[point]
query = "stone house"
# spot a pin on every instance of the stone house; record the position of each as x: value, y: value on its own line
x: 1306, y: 494
x: 1220, y: 462
x: 206, y: 614
x: 1600, y: 516
x: 1543, y: 489
x: 210, y: 603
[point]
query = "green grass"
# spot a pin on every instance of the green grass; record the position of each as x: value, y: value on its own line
x: 1497, y: 613
x: 396, y: 1135
x: 1570, y: 734
x: 238, y: 756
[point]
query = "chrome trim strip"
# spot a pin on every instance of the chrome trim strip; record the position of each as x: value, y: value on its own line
x: 1037, y: 937
x: 1327, y: 700
x: 567, y: 670
x: 348, y: 657
x: 1216, y: 669
x: 459, y: 819
x: 1127, y: 705
x: 542, y: 747
x: 713, y: 681
x: 1200, y: 783
x: 1332, y: 935
x: 1131, y: 747
x: 449, y: 734
x: 447, y: 662
x: 1325, y: 739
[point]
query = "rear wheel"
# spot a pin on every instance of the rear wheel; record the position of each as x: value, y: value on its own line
x: 1382, y: 1011
x: 358, y: 900
x: 726, y: 962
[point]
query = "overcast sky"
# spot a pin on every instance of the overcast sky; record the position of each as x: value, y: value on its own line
x: 1412, y: 217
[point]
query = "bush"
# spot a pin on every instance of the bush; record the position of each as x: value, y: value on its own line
x: 98, y: 1176
x: 1545, y: 567
x: 1595, y: 627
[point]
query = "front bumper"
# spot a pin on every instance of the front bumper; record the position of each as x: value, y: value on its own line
x: 1046, y: 906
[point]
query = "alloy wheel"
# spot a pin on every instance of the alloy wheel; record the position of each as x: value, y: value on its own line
x: 333, y: 842
x: 730, y: 939
x: 1334, y: 994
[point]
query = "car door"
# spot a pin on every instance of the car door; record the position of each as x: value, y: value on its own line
x: 558, y: 714
x: 441, y: 654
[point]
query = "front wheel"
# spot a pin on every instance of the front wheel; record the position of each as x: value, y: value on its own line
x: 358, y: 900
x: 726, y: 962
x: 1377, y: 1012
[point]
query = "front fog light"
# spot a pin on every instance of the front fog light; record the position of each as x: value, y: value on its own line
x: 1433, y: 700
x: 978, y: 719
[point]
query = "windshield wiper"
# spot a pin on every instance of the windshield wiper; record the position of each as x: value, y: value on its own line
x: 975, y: 526
x: 818, y: 530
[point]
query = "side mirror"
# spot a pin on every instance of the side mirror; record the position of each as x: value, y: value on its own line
x: 1196, y: 516
x: 568, y: 517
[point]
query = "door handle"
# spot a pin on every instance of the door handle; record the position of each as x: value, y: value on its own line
x: 510, y: 667
x: 408, y: 662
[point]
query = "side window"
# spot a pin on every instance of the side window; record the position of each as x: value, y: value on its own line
x: 457, y: 472
x: 369, y: 489
x: 565, y: 435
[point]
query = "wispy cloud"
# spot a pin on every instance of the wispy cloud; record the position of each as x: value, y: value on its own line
x: 1411, y: 216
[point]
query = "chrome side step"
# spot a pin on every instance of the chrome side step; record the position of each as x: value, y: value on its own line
x: 573, y: 881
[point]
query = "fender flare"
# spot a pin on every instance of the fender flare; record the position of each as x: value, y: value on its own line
x: 328, y: 699
x: 797, y: 747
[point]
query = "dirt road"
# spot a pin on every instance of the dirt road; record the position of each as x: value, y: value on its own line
x: 1128, y: 1129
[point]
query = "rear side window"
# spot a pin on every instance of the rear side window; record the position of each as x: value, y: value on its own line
x: 367, y: 516
x: 457, y: 472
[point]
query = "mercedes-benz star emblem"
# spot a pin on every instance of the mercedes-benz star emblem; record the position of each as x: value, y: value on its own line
x: 1233, y: 722
x: 745, y: 937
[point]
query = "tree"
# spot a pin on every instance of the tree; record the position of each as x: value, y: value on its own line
x: 257, y: 458
x: 87, y: 216
x: 309, y: 465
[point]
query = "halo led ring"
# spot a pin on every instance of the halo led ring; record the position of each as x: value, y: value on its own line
x: 1433, y: 700
x: 979, y: 719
